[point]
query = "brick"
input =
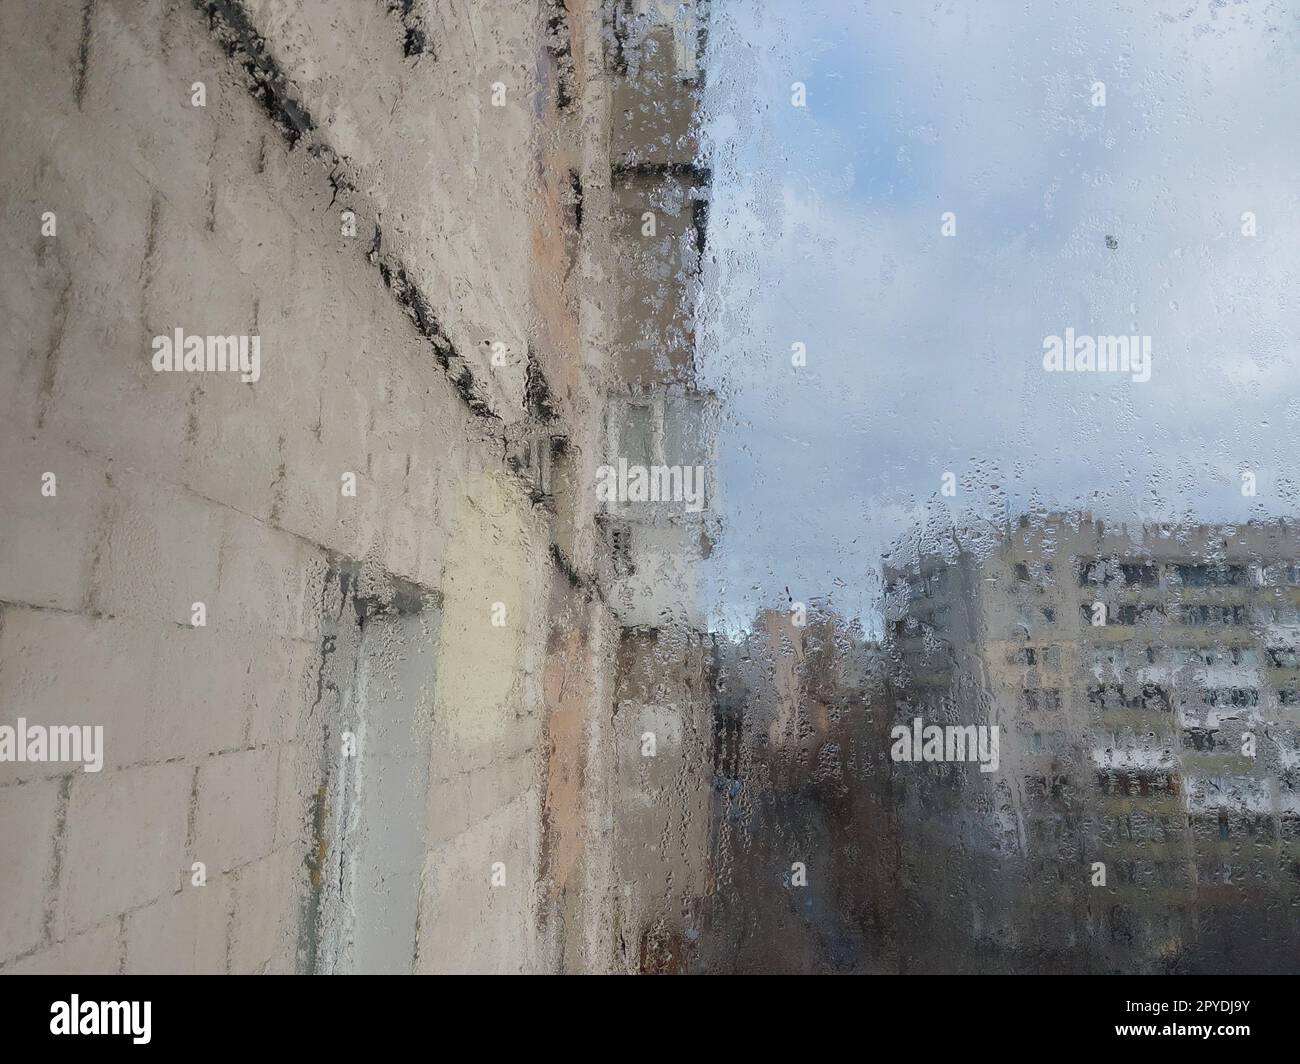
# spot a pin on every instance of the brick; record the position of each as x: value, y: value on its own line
x: 243, y: 202
x: 39, y: 53
x: 45, y: 543
x: 140, y: 106
x: 387, y: 454
x: 499, y: 783
x: 262, y: 578
x: 62, y: 668
x: 235, y: 819
x: 94, y: 952
x: 160, y: 553
x: 264, y: 932
x: 401, y: 540
x: 37, y: 293
x: 456, y: 894
x: 448, y: 807
x: 182, y: 934
x: 360, y: 528
x: 106, y: 396
x: 199, y: 691
x: 307, y: 496
x: 279, y: 687
x: 233, y: 446
x: 28, y: 834
x: 160, y: 692
x: 343, y: 415
x: 125, y: 841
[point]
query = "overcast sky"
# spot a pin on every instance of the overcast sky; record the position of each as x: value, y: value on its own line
x: 925, y: 352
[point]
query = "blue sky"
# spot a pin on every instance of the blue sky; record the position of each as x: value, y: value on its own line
x: 924, y: 351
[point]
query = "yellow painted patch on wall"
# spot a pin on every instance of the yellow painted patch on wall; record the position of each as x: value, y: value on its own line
x: 486, y: 577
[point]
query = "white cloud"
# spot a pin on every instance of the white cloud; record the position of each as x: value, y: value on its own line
x: 924, y: 351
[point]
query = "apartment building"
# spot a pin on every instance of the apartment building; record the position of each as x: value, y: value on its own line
x: 657, y: 417
x: 805, y: 836
x: 644, y: 221
x: 1145, y: 682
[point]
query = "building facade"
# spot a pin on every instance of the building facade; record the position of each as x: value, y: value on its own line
x: 350, y: 628
x: 1144, y: 680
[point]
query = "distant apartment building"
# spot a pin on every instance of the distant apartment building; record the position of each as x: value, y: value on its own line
x: 804, y: 833
x: 1147, y: 807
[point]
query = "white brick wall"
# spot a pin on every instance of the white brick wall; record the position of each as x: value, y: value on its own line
x: 28, y: 826
x: 180, y: 488
x: 124, y: 842
x: 234, y: 820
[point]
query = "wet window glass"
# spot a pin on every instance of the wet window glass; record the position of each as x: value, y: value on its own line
x: 649, y: 486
